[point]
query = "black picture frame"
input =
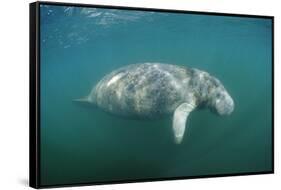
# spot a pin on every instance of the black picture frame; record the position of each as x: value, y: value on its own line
x: 34, y: 98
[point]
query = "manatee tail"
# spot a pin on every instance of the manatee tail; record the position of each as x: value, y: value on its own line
x: 84, y: 101
x: 179, y: 120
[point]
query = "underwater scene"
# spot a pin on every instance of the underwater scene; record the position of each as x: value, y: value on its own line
x: 144, y: 95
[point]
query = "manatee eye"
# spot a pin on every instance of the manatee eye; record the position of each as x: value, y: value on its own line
x: 218, y: 95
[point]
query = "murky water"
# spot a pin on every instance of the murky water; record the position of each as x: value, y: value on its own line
x: 81, y: 144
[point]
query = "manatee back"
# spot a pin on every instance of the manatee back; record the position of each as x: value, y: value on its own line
x: 142, y: 90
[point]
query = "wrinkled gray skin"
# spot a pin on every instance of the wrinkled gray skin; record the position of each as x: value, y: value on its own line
x: 151, y: 90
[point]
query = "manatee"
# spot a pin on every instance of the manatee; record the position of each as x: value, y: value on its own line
x: 153, y: 90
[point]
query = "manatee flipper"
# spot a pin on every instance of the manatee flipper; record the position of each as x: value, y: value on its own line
x: 179, y: 120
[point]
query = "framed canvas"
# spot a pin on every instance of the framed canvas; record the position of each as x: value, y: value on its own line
x: 121, y: 94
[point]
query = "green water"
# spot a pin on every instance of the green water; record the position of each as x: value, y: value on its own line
x: 81, y: 144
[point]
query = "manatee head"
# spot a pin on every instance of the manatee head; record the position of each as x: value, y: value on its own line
x: 223, y: 103
x: 220, y: 99
x: 210, y: 91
